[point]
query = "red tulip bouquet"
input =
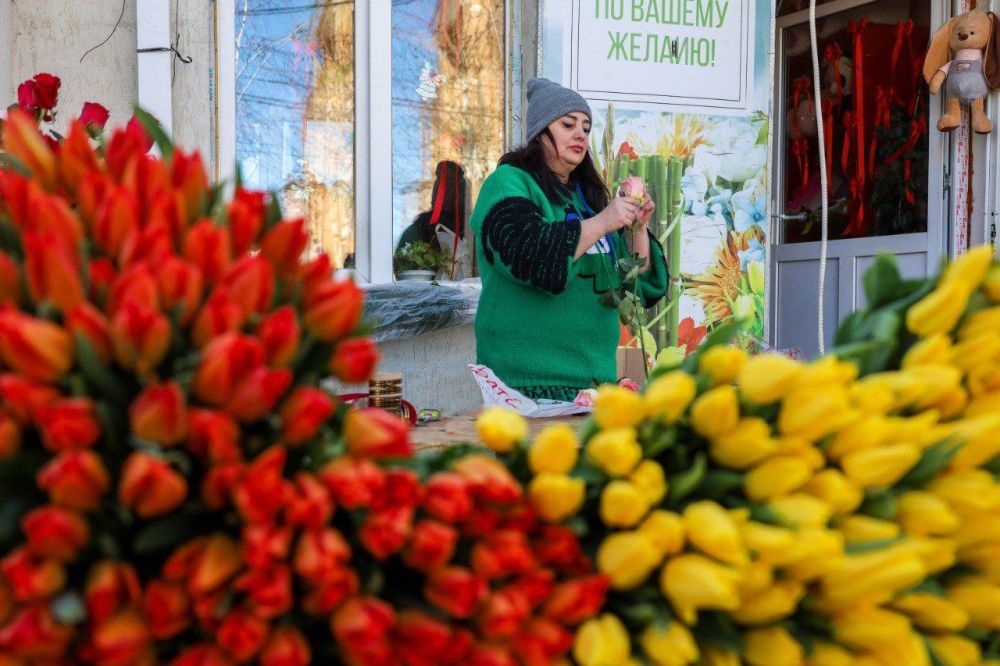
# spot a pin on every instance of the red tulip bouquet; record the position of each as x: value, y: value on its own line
x: 175, y: 487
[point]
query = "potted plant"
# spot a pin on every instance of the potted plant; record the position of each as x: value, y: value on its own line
x: 418, y: 260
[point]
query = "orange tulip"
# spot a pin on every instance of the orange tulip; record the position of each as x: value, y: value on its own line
x: 110, y: 587
x: 286, y: 647
x: 121, y: 640
x: 214, y: 436
x: 333, y: 309
x: 208, y: 247
x: 361, y: 627
x: 102, y: 276
x: 431, y: 546
x: 181, y: 288
x: 456, y: 591
x: 310, y: 505
x: 10, y: 435
x: 55, y: 532
x: 23, y: 140
x: 126, y: 146
x: 250, y: 282
x: 203, y: 654
x: 338, y: 585
x: 87, y: 321
x: 23, y: 398
x: 246, y: 218
x: 140, y: 337
x: 115, y: 219
x: 10, y: 280
x: 375, y: 433
x: 167, y: 609
x: 353, y: 482
x: 280, y: 332
x: 225, y: 363
x: 37, y: 349
x: 284, y: 244
x: 384, y: 532
x: 31, y: 209
x: 187, y: 172
x: 150, y: 487
x: 503, y: 614
x: 151, y: 244
x: 35, y: 634
x: 448, y: 497
x: 421, y: 638
x: 75, y: 480
x: 220, y: 314
x: 258, y: 393
x: 576, y: 600
x: 319, y: 553
x: 90, y: 194
x: 53, y: 272
x: 354, y: 360
x: 488, y: 478
x: 159, y: 414
x: 264, y: 489
x: 68, y: 424
x: 76, y: 156
x: 168, y: 210
x: 32, y: 577
x: 268, y: 590
x: 303, y: 413
x: 213, y: 564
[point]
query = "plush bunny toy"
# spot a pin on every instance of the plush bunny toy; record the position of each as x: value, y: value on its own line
x: 975, y: 39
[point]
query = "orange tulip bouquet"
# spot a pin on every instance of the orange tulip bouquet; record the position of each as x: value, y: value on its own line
x: 176, y: 487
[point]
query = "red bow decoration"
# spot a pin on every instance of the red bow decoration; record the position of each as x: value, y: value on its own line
x: 832, y: 55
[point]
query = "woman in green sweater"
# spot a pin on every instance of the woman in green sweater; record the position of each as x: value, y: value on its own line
x: 548, y: 241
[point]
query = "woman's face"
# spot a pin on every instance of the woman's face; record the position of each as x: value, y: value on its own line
x: 568, y: 144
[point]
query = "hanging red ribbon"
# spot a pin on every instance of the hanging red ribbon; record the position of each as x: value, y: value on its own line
x: 857, y: 29
x: 918, y: 127
x: 845, y: 154
x: 907, y: 179
x: 800, y: 151
x: 832, y: 55
x: 800, y: 146
x: 828, y: 137
x: 882, y: 117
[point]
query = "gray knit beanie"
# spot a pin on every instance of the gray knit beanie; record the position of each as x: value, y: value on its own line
x: 548, y: 102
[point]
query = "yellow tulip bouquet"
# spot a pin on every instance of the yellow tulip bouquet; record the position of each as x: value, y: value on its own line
x: 763, y: 511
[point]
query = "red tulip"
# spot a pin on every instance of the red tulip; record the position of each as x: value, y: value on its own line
x: 187, y: 172
x: 159, y: 414
x: 94, y: 117
x: 52, y: 271
x: 76, y: 157
x: 10, y: 280
x: 220, y: 482
x: 150, y: 487
x: 354, y: 360
x: 320, y: 553
x: 542, y: 641
x: 286, y: 647
x: 488, y: 478
x: 219, y: 315
x: 280, y: 333
x: 455, y: 590
x: 263, y: 545
x: 246, y: 218
x: 121, y: 640
x: 353, y: 482
x: 32, y: 209
x: 311, y: 505
x: 361, y: 627
x: 22, y: 140
x: 211, y: 566
x: 110, y: 587
x: 116, y: 219
x: 384, y: 532
x: 338, y: 585
x: 75, y: 479
x: 168, y: 210
x: 35, y: 634
x: 303, y: 412
x: 10, y: 435
x: 314, y: 274
x: 126, y: 146
x: 91, y: 191
x: 203, y: 654
x: 268, y: 591
x: 263, y: 490
x: 178, y: 566
x: 102, y: 275
x: 242, y: 634
x: 503, y: 614
x: 333, y: 309
x: 536, y: 585
x: 250, y: 282
x: 422, y: 638
x: 225, y: 364
x: 375, y: 433
x: 55, y: 532
x: 577, y: 600
x: 134, y: 286
x: 208, y: 247
x: 181, y: 288
x: 557, y: 546
x: 431, y: 546
x: 87, y: 321
x: 402, y: 489
x: 68, y: 424
x: 140, y: 337
x: 482, y: 522
x: 258, y: 393
x: 284, y: 244
x: 448, y: 497
x: 152, y: 244
x: 214, y: 436
x: 167, y: 609
x: 502, y: 554
x: 37, y: 349
x: 32, y: 577
x: 490, y: 655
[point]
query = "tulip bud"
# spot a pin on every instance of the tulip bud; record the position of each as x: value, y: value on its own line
x: 10, y: 280
x: 880, y: 572
x: 622, y: 504
x: 337, y: 585
x: 970, y: 268
x: 87, y: 321
x: 35, y: 634
x: 556, y: 497
x: 384, y: 532
x: 31, y: 577
x: 939, y: 311
x: 980, y: 443
x: 672, y: 645
x: 319, y: 553
x: 602, y: 640
x: 776, y: 476
x: 361, y: 627
x: 54, y: 532
x: 649, y: 478
x: 10, y: 435
x: 121, y: 639
x: 333, y: 309
x: 933, y: 350
x: 617, y: 407
x: 447, y: 497
x: 722, y: 363
x: 768, y: 378
x: 501, y: 429
x: 815, y: 412
x: 925, y: 514
x: 713, y: 531
x: 166, y: 608
x: 203, y: 654
x: 286, y: 647
x: 627, y: 558
x: 772, y: 646
x: 111, y: 586
x: 153, y: 243
x: 831, y: 486
x: 181, y: 286
x: 967, y: 491
x: 150, y: 487
x: 353, y: 482
x: 955, y: 649
x: 219, y: 315
x: 693, y: 582
x: 554, y: 451
x: 213, y: 436
x: 979, y: 598
x: 931, y: 612
x: 258, y: 393
x: 52, y: 271
x: 668, y: 396
x: 246, y: 218
x: 991, y: 283
x: 210, y: 564
x: 311, y: 505
x: 242, y: 634
x: 102, y: 275
x: 23, y: 140
x: 159, y: 414
x: 75, y: 480
x: 744, y: 445
x: 224, y: 365
x: 268, y: 590
x: 208, y: 247
x: 455, y: 590
x: 36, y: 349
x: 68, y: 424
x: 880, y: 467
x: 375, y: 433
x: 264, y: 489
x: 135, y: 286
x: 116, y: 218
x: 250, y: 283
x: 279, y: 332
x: 801, y: 510
x: 715, y: 412
x: 431, y: 546
x: 615, y: 451
x: 354, y: 360
x: 140, y: 337
x: 284, y: 244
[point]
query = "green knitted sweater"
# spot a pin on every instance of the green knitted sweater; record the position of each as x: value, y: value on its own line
x: 540, y: 321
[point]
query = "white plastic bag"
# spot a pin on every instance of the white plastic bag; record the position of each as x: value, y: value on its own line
x: 496, y: 393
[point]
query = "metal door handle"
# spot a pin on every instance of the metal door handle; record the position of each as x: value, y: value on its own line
x: 791, y: 217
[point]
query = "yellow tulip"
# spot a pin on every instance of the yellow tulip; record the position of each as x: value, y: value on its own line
x: 991, y: 285
x: 554, y: 451
x: 556, y: 497
x: 755, y: 578
x: 933, y: 350
x: 937, y: 382
x: 865, y: 529
x: 910, y: 650
x: 817, y: 552
x: 921, y: 513
x: 801, y: 510
x: 770, y: 604
x: 772, y: 646
x: 976, y: 352
x: 881, y: 573
x: 831, y: 486
x: 669, y: 395
x: 622, y: 504
x: 672, y: 645
x: 931, y: 612
x: 955, y: 650
x: 870, y: 627
x: 935, y: 554
x: 713, y: 531
x: 978, y: 529
x: 979, y: 440
x: 861, y: 435
x: 616, y: 452
x: 648, y: 477
x: 980, y: 323
x: 617, y: 407
x: 907, y: 388
x: 602, y: 641
x: 826, y: 371
x: 694, y: 582
x: 768, y: 542
x: 828, y: 654
x: 918, y: 429
x: 722, y: 363
x: 938, y: 311
x: 883, y: 466
x: 715, y: 412
x: 715, y: 657
x: 982, y: 556
x: 768, y: 378
x: 745, y: 445
x: 979, y: 598
x: 665, y: 530
x: 872, y: 397
x: 970, y: 268
x: 627, y: 559
x: 815, y: 412
x: 983, y: 405
x: 776, y: 477
x: 968, y: 491
x: 952, y: 403
x: 984, y: 380
x: 501, y: 429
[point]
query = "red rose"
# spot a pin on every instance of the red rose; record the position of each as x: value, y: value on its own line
x: 502, y: 554
x: 353, y: 482
x: 284, y: 244
x: 26, y: 97
x: 280, y: 333
x: 303, y: 412
x: 503, y: 614
x: 167, y: 609
x: 455, y: 590
x: 94, y: 117
x: 46, y: 90
x: 242, y: 634
x: 150, y: 487
x: 75, y: 479
x: 110, y: 587
x: 69, y: 424
x: 354, y: 360
x: 32, y: 577
x: 55, y: 532
x: 577, y: 600
x: 431, y: 546
x: 384, y: 532
x: 159, y: 414
x: 447, y: 497
x: 333, y: 309
x: 375, y: 433
x: 268, y: 591
x: 286, y: 647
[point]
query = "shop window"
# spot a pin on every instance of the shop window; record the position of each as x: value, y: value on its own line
x: 295, y: 112
x: 448, y: 118
x: 786, y: 7
x: 875, y: 106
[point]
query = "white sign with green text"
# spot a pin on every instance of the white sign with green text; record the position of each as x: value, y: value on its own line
x: 679, y: 53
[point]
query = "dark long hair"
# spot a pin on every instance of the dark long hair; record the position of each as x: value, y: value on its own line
x: 531, y: 158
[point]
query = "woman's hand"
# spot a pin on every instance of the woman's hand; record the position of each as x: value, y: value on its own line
x: 621, y: 212
x: 645, y: 211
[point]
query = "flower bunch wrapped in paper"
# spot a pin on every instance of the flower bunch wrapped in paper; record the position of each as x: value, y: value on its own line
x: 764, y: 511
x: 176, y: 488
